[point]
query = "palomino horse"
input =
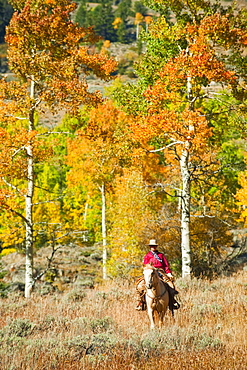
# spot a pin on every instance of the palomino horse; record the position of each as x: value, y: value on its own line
x: 157, y: 296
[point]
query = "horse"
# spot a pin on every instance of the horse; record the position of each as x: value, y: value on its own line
x: 157, y: 296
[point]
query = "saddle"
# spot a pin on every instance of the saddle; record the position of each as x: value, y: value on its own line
x: 139, y: 279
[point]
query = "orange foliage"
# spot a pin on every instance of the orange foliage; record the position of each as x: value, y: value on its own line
x: 99, y: 149
x: 47, y: 47
x: 187, y: 126
x: 175, y: 113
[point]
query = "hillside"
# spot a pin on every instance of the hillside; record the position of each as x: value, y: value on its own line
x: 71, y: 267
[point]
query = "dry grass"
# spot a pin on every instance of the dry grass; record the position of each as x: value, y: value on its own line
x: 99, y: 329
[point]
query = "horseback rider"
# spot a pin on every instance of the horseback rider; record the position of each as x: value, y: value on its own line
x: 159, y: 261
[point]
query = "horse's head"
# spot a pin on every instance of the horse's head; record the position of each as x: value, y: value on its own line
x: 150, y: 276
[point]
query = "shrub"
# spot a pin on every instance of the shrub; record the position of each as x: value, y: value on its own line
x: 19, y: 328
x: 75, y: 295
x: 100, y: 325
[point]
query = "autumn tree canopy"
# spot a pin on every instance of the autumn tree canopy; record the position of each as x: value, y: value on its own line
x: 165, y: 165
x: 50, y: 57
x: 98, y: 153
x: 191, y: 56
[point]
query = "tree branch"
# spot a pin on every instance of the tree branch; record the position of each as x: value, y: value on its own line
x: 20, y: 215
x: 165, y: 147
x: 11, y: 186
x: 55, y: 132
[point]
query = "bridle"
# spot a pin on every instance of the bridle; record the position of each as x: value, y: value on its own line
x: 149, y: 285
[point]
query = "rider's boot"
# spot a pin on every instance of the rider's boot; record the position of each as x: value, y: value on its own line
x: 173, y: 303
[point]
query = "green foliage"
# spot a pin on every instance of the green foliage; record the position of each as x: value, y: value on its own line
x: 232, y: 159
x: 82, y: 14
x: 162, y: 44
x: 123, y: 12
x: 226, y: 117
x: 140, y: 8
x: 160, y: 7
x: 122, y: 33
x: 129, y: 97
x: 100, y: 17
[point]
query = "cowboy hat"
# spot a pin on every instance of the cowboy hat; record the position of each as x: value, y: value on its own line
x: 152, y: 243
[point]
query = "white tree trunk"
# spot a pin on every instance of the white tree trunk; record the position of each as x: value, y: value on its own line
x: 29, y: 206
x: 137, y: 31
x: 104, y: 255
x: 29, y: 225
x: 185, y: 203
x: 185, y: 214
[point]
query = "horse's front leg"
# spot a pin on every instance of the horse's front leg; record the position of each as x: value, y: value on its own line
x: 151, y: 317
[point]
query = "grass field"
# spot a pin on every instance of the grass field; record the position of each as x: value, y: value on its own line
x: 99, y: 329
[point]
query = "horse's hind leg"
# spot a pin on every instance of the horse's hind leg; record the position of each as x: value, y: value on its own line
x: 161, y: 319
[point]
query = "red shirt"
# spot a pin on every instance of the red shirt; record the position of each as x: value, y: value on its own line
x: 163, y: 264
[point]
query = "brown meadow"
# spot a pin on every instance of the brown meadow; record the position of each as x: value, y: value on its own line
x: 99, y: 329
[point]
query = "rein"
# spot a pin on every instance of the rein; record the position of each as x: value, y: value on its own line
x: 159, y: 296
